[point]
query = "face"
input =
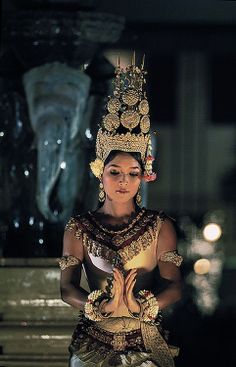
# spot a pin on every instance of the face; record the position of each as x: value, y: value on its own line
x: 121, y: 178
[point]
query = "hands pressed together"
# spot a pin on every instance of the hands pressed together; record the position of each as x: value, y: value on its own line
x: 123, y: 292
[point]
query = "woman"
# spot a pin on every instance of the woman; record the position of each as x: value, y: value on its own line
x: 121, y: 246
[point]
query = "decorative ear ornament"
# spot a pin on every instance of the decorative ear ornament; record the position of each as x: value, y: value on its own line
x: 139, y: 198
x: 101, y: 195
x: 126, y: 125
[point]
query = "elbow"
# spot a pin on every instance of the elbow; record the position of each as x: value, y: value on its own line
x: 65, y: 295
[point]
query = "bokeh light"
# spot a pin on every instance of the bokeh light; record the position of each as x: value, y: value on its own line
x: 63, y: 165
x: 212, y: 232
x: 202, y: 266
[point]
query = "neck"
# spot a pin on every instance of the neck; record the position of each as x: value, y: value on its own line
x: 118, y: 210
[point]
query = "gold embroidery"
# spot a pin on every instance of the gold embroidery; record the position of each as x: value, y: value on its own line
x: 119, y: 232
x: 66, y: 261
x: 72, y: 225
x: 172, y: 257
x: 129, y: 251
x: 119, y: 342
x: 156, y: 344
x: 111, y: 245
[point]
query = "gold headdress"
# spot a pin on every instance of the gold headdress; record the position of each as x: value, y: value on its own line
x: 126, y: 125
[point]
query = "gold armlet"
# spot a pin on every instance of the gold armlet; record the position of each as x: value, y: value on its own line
x: 172, y: 257
x: 66, y: 261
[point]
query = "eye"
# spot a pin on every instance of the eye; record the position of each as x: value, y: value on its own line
x: 134, y: 174
x: 114, y: 172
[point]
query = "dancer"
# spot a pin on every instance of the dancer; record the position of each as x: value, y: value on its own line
x: 124, y: 248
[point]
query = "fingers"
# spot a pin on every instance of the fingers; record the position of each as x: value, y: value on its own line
x: 119, y: 275
x: 130, y: 281
x: 123, y: 288
x: 119, y: 283
x: 131, y: 273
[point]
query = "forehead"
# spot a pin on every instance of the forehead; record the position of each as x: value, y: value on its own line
x: 124, y: 160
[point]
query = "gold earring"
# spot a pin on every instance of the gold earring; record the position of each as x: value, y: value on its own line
x: 139, y: 198
x: 101, y: 195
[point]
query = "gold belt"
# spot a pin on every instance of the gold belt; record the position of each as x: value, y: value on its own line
x: 147, y: 338
x: 118, y: 341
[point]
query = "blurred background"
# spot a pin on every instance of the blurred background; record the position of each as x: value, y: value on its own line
x: 56, y: 68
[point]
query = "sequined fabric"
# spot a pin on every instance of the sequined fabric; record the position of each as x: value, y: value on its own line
x: 119, y: 341
x: 121, y: 245
x: 93, y: 345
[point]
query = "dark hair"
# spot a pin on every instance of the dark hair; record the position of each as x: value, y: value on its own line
x: 135, y: 155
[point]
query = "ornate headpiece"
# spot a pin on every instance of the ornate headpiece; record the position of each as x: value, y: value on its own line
x: 126, y: 125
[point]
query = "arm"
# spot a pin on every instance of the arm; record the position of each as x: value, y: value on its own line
x: 71, y: 292
x: 167, y: 267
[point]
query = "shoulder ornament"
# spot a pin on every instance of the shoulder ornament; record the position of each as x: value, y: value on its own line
x: 73, y: 225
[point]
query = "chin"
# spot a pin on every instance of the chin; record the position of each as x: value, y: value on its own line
x: 119, y: 199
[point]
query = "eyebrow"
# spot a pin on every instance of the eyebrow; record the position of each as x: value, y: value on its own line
x: 116, y: 165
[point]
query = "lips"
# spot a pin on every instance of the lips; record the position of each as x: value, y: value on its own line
x: 122, y: 191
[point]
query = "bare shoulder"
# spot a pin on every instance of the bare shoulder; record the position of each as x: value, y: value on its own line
x: 167, y: 230
x: 72, y: 241
x: 167, y: 239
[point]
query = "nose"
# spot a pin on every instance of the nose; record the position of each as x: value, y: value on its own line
x: 123, y: 179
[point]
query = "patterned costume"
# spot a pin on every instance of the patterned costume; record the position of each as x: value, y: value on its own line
x: 125, y: 340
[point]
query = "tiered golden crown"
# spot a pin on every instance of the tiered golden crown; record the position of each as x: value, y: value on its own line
x: 126, y: 125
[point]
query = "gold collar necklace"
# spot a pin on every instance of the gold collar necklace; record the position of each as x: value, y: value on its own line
x: 134, y: 220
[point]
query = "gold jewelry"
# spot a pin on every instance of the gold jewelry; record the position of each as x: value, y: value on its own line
x: 101, y: 195
x: 126, y: 125
x: 104, y: 314
x: 92, y: 306
x: 150, y: 306
x: 66, y: 261
x: 172, y: 257
x: 120, y: 231
x: 97, y: 167
x: 139, y: 198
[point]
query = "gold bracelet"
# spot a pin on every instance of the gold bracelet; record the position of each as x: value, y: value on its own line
x: 104, y: 315
x: 150, y: 305
x: 92, y: 306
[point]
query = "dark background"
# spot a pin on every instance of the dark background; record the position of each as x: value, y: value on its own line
x: 190, y: 49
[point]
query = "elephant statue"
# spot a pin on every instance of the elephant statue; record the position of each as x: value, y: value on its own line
x: 57, y: 97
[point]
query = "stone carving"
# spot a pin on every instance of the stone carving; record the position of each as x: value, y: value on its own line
x: 57, y: 95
